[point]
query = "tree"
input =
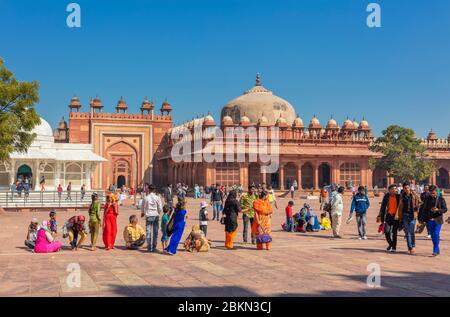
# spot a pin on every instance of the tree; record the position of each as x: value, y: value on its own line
x: 404, y: 156
x: 18, y: 116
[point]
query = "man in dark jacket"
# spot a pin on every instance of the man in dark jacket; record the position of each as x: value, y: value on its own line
x: 387, y: 216
x: 360, y: 204
x: 217, y: 202
x: 434, y: 207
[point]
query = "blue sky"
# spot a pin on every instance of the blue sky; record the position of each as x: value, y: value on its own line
x: 318, y: 54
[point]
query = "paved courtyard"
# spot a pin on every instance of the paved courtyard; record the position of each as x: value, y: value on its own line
x: 309, y: 264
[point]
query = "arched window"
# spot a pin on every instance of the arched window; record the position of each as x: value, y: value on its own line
x: 307, y: 176
x: 350, y: 174
x: 73, y: 174
x: 227, y: 174
x: 49, y: 174
x: 290, y: 175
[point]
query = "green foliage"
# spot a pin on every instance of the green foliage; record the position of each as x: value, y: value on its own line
x: 18, y: 116
x: 403, y: 155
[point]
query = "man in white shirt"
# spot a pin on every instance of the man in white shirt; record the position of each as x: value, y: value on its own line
x: 151, y: 208
x: 337, y: 206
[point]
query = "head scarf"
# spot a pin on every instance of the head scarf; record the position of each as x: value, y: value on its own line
x: 45, y: 224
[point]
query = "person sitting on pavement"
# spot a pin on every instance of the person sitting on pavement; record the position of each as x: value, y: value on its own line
x: 74, y: 228
x: 134, y: 234
x: 45, y: 242
x: 33, y: 229
x: 196, y: 241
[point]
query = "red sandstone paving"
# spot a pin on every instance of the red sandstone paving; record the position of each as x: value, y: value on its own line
x: 309, y: 264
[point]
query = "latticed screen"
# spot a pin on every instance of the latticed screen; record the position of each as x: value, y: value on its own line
x: 227, y: 174
x: 350, y: 174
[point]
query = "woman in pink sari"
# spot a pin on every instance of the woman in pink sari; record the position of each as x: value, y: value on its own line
x: 45, y: 242
x: 110, y: 222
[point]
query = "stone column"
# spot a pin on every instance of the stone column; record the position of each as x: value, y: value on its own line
x: 12, y: 172
x: 87, y: 176
x: 299, y: 177
x: 281, y: 168
x: 316, y: 176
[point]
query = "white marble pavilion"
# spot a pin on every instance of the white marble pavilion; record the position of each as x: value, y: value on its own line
x: 59, y: 163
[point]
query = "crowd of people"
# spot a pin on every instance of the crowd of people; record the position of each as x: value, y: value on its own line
x: 410, y: 209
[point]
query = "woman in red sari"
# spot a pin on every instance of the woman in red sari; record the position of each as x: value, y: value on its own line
x: 262, y: 222
x: 110, y: 214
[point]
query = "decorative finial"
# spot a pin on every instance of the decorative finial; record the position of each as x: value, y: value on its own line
x: 258, y: 80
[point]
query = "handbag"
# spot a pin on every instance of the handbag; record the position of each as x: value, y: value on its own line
x: 169, y: 226
x: 381, y: 228
x: 263, y: 238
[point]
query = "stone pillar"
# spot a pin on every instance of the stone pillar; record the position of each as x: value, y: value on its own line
x: 434, y: 178
x: 299, y: 177
x: 316, y: 176
x: 281, y: 168
x: 36, y: 175
x: 87, y: 176
x: 369, y: 178
x: 12, y: 172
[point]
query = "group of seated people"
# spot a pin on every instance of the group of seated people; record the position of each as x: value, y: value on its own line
x: 305, y: 220
x: 41, y: 238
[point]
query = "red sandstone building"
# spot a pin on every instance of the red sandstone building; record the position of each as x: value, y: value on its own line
x: 138, y: 146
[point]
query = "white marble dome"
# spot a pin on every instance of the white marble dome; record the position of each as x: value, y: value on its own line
x: 43, y: 131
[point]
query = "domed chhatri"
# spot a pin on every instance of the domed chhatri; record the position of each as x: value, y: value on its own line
x: 332, y: 124
x: 263, y: 121
x: 227, y: 121
x: 298, y: 123
x: 244, y: 120
x: 432, y: 136
x: 209, y: 120
x: 256, y: 100
x: 281, y: 122
x: 355, y: 124
x: 348, y: 125
x: 147, y: 106
x: 314, y: 123
x: 75, y: 104
x: 121, y: 105
x: 166, y: 107
x: 364, y: 125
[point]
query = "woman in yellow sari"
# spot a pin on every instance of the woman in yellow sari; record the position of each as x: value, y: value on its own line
x: 262, y: 222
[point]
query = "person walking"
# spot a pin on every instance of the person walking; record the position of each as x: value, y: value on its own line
x: 94, y: 220
x: 262, y: 225
x: 434, y: 208
x: 217, y: 201
x: 248, y: 213
x: 386, y: 216
x: 407, y: 213
x: 69, y: 190
x: 292, y: 191
x: 83, y: 191
x: 337, y: 207
x: 323, y: 197
x: 168, y: 196
x: 179, y: 223
x: 60, y: 190
x: 151, y: 209
x: 360, y: 204
x: 231, y: 211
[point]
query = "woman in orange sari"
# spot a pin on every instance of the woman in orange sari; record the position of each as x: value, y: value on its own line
x: 110, y: 221
x: 262, y: 222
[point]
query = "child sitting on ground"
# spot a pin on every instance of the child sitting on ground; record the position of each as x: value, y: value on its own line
x: 311, y: 219
x: 134, y: 234
x: 53, y: 223
x: 300, y: 221
x: 325, y: 223
x: 196, y: 241
x: 164, y: 221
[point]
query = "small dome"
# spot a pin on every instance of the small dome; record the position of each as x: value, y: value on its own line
x: 209, y: 120
x: 166, y: 106
x: 355, y: 124
x: 227, y: 120
x: 62, y: 124
x: 245, y: 119
x: 96, y: 103
x: 298, y: 123
x: 121, y: 104
x: 43, y: 132
x: 348, y: 125
x: 332, y: 124
x: 74, y: 102
x: 364, y: 125
x: 147, y: 105
x: 432, y: 136
x: 315, y: 123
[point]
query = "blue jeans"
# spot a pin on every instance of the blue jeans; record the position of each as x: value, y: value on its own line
x: 152, y: 226
x: 409, y: 225
x: 217, y: 208
x: 361, y: 221
x: 435, y: 231
x: 289, y: 224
